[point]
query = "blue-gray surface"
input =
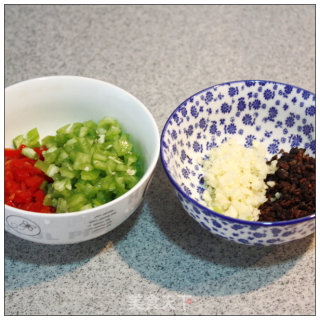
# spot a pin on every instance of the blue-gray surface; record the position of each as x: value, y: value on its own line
x: 160, y: 261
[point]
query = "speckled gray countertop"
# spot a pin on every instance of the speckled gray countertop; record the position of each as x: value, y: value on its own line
x: 160, y: 261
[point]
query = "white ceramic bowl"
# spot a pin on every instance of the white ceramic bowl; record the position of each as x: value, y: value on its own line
x: 51, y: 102
x: 280, y: 116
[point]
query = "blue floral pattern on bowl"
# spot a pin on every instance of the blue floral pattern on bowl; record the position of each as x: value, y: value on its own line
x: 279, y: 115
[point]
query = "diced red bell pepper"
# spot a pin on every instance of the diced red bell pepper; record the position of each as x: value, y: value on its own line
x: 12, y: 153
x: 34, y: 182
x: 39, y: 151
x: 23, y: 181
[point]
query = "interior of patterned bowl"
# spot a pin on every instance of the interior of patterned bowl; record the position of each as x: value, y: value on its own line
x: 279, y: 116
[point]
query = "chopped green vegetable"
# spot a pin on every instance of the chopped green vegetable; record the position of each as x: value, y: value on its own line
x: 30, y: 153
x: 19, y: 140
x: 90, y: 164
x: 31, y: 139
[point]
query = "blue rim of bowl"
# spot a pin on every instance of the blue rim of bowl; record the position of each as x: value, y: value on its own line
x: 211, y: 212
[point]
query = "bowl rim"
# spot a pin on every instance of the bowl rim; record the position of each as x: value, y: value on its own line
x: 208, y: 210
x: 144, y: 179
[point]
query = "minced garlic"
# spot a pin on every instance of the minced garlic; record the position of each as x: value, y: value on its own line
x: 234, y: 178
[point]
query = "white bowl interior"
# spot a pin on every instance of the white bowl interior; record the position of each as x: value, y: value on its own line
x: 52, y: 102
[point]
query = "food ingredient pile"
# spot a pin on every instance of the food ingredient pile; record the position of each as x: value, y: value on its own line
x: 293, y: 195
x: 240, y: 183
x: 83, y: 166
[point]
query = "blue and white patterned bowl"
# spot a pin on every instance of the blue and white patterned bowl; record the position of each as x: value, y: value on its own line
x: 280, y: 116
